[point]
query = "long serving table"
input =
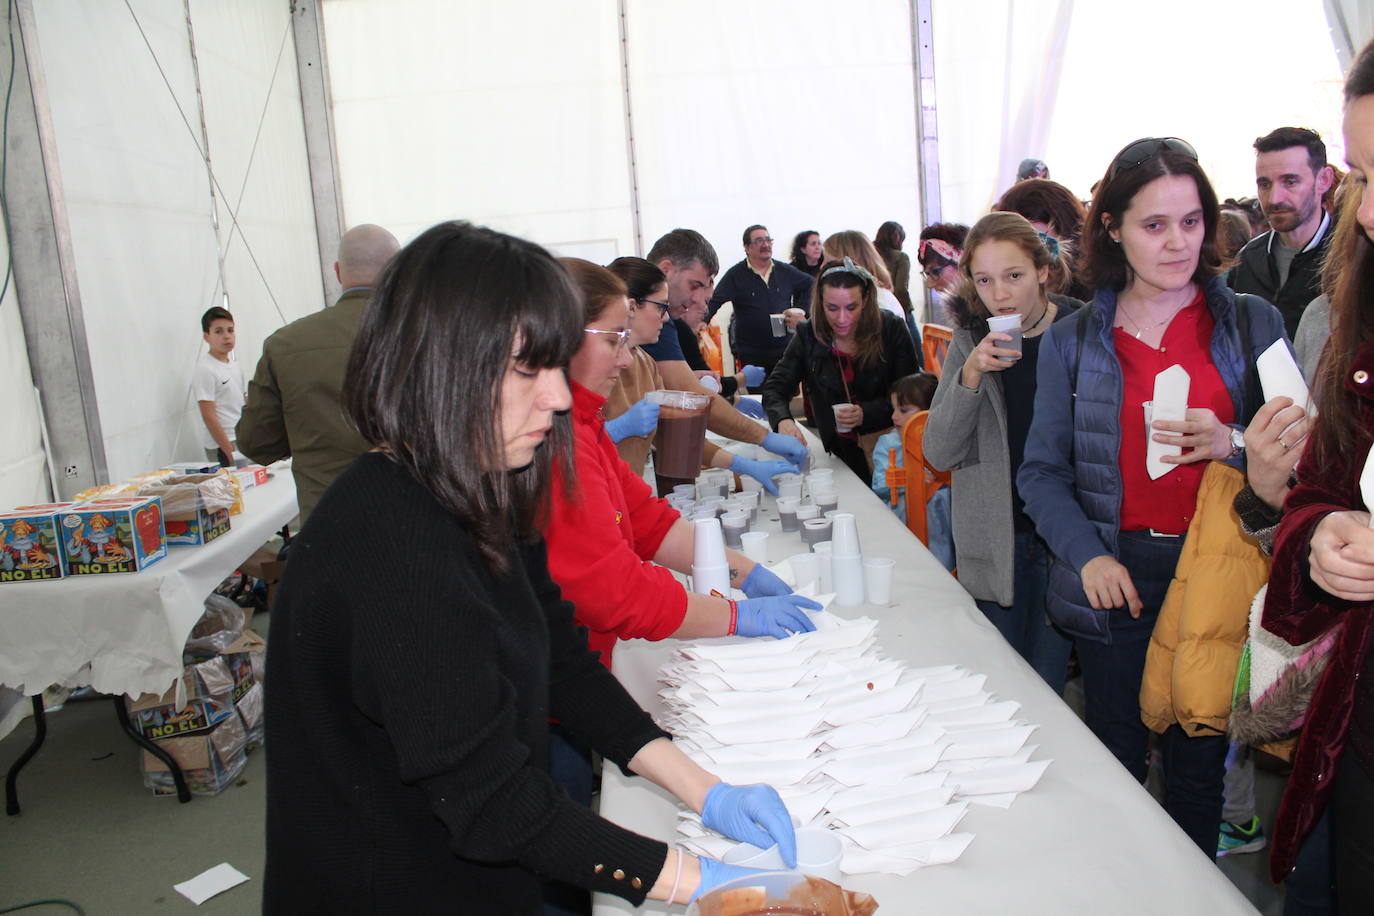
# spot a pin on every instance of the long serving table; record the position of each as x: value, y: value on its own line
x: 1086, y: 839
x: 123, y: 633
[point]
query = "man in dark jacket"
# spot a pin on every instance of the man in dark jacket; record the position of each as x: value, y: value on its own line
x: 1283, y: 265
x: 760, y: 287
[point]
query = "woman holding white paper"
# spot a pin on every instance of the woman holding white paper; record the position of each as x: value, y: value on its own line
x: 1113, y: 519
x: 418, y: 644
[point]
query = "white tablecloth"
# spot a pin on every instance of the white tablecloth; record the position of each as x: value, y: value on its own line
x: 1086, y: 839
x: 124, y: 633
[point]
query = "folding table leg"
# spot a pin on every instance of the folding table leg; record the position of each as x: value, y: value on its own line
x: 183, y: 793
x: 40, y: 731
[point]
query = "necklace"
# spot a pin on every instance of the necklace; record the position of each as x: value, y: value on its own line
x: 1043, y: 313
x: 1139, y: 331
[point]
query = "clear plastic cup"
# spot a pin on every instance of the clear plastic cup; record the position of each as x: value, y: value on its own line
x: 878, y: 579
x: 681, y: 432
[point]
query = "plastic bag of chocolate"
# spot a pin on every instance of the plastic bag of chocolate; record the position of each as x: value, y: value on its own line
x: 219, y: 627
x: 782, y: 894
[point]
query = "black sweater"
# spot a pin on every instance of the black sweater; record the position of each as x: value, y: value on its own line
x: 407, y: 718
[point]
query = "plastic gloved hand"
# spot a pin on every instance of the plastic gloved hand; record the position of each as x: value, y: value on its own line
x: 774, y: 616
x: 786, y: 446
x: 639, y: 420
x: 751, y: 814
x: 762, y: 471
x: 714, y: 874
x: 753, y: 376
x: 751, y: 408
x: 762, y: 583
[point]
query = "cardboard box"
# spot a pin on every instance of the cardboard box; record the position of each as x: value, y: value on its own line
x: 251, y: 475
x: 187, y: 518
x: 112, y: 536
x: 194, y: 467
x: 209, y: 762
x: 30, y: 549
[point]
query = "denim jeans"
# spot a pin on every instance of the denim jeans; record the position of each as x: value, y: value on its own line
x: 1193, y: 770
x: 1024, y: 625
x: 1112, y: 671
x: 1352, y: 807
x: 1310, y: 888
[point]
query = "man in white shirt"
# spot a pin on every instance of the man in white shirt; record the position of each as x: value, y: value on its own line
x: 218, y: 387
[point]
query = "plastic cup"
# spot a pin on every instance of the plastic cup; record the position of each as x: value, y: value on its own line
x: 686, y: 490
x: 815, y: 530
x: 1007, y: 324
x: 681, y: 432
x: 825, y: 577
x: 840, y: 428
x: 848, y: 573
x: 818, y: 854
x: 878, y: 579
x: 806, y: 568
x: 790, y: 489
x: 779, y: 324
x: 845, y: 535
x: 787, y: 512
x: 830, y: 514
x: 755, y: 545
x: 709, y: 547
x: 806, y: 511
x: 732, y: 525
x: 826, y: 501
x: 708, y: 579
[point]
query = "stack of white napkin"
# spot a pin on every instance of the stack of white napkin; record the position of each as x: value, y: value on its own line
x: 889, y: 757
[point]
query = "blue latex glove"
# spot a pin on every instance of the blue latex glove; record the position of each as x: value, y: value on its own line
x: 714, y: 874
x: 762, y: 471
x: 753, y: 376
x: 761, y: 583
x: 786, y: 446
x: 751, y: 408
x: 751, y: 814
x: 774, y: 616
x: 640, y: 420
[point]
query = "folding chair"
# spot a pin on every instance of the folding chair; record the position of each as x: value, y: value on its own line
x: 935, y: 339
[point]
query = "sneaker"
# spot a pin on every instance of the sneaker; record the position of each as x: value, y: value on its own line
x: 1237, y: 838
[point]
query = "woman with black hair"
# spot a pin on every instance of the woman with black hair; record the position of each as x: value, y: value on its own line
x: 1115, y: 526
x: 806, y: 252
x: 418, y: 645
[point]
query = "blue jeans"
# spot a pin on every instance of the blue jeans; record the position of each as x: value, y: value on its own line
x: 1194, y: 768
x: 1024, y: 625
x: 1309, y: 889
x: 1112, y: 671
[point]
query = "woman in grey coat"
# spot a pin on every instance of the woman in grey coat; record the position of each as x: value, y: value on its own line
x: 978, y: 424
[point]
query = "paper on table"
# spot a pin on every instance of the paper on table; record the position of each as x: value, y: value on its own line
x: 912, y: 828
x: 996, y: 780
x: 859, y: 861
x: 883, y: 768
x: 870, y: 812
x: 911, y: 785
x: 208, y: 883
x: 888, y: 728
x: 994, y: 742
x: 1170, y: 403
x: 1280, y: 376
x: 991, y: 714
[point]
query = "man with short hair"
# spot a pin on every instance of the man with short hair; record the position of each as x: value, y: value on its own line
x: 1283, y: 265
x: 760, y: 288
x: 689, y: 263
x: 294, y: 406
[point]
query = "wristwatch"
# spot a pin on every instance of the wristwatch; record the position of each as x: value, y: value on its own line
x: 1237, y: 443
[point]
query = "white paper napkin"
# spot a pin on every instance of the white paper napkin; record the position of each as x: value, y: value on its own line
x: 860, y: 861
x: 1280, y: 376
x: 888, y: 728
x: 882, y: 768
x: 913, y: 828
x: 1170, y: 403
x: 872, y: 812
x: 208, y: 883
x: 1367, y: 484
x: 911, y: 785
x: 993, y: 780
x: 990, y: 714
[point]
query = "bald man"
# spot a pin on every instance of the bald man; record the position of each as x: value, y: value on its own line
x: 294, y: 407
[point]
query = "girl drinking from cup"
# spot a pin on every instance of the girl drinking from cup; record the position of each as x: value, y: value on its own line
x: 978, y: 424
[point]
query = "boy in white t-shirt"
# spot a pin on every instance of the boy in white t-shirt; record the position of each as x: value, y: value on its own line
x: 219, y: 387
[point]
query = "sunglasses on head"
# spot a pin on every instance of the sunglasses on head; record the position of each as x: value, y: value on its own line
x: 1142, y: 151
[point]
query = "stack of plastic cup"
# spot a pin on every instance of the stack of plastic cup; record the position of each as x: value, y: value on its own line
x: 787, y: 512
x: 710, y: 572
x: 724, y: 480
x: 825, y: 578
x: 755, y: 545
x: 846, y: 563
x: 789, y: 486
x: 734, y: 524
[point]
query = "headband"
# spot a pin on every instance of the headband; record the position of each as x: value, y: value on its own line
x: 849, y: 267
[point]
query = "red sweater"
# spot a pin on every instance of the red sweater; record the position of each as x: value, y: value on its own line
x: 602, y: 540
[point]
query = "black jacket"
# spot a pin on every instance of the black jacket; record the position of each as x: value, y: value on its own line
x: 1255, y: 272
x: 810, y: 361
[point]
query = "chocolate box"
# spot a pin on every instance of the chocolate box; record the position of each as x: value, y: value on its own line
x: 187, y: 519
x: 112, y: 536
x: 30, y: 549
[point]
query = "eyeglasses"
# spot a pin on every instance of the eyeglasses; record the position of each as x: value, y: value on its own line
x: 1142, y: 151
x: 761, y: 240
x: 622, y: 337
x: 662, y: 306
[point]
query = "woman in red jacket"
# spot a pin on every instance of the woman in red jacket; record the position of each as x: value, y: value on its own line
x: 1323, y: 571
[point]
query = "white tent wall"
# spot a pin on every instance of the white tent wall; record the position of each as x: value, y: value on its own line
x: 122, y: 93
x: 437, y: 117
x: 23, y: 466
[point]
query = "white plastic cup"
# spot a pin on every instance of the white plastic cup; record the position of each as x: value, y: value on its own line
x: 826, y: 500
x: 825, y: 577
x: 711, y: 578
x: 830, y: 514
x: 734, y: 524
x: 686, y: 490
x: 778, y: 323
x: 709, y: 383
x: 787, y: 512
x: 845, y: 535
x: 1011, y: 325
x: 815, y: 530
x: 839, y: 428
x: 848, y: 573
x: 755, y: 545
x: 807, y: 511
x: 805, y: 567
x: 790, y: 489
x: 878, y: 579
x: 699, y: 514
x: 709, y: 546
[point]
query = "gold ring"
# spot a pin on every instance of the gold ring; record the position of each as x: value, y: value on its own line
x: 1284, y: 444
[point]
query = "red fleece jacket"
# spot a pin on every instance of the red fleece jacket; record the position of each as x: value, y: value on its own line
x: 601, y: 541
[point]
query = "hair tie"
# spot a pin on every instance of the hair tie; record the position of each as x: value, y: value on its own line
x: 849, y: 267
x: 1051, y: 243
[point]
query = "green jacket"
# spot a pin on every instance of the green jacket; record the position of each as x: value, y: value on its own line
x: 294, y: 408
